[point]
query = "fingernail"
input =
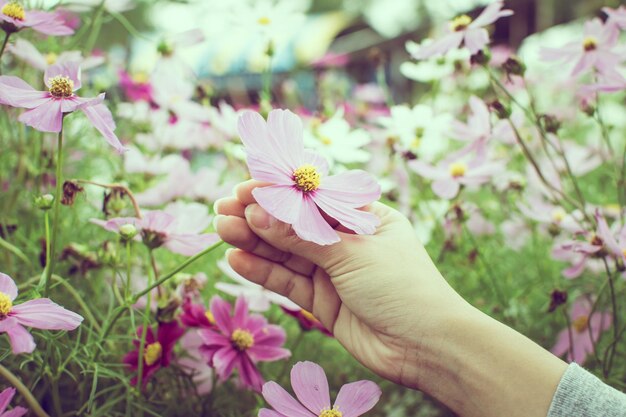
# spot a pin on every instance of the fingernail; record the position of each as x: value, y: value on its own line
x: 228, y: 251
x: 216, y: 219
x: 258, y: 217
x: 215, y: 205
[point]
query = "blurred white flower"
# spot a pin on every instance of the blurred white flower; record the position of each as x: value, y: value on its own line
x: 428, y: 215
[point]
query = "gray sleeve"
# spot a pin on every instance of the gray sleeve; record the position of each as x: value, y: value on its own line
x: 581, y: 394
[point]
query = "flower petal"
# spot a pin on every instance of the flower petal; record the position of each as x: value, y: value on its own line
x: 491, y: 13
x: 7, y: 286
x: 101, y: 118
x: 310, y: 385
x: 43, y: 313
x: 264, y: 412
x: 440, y: 46
x: 224, y: 361
x: 64, y: 69
x: 47, y: 117
x: 286, y: 130
x: 16, y: 412
x: 220, y: 309
x: 312, y: 227
x: 268, y: 353
x: 476, y: 39
x: 360, y: 222
x: 21, y: 340
x: 281, y: 201
x: 357, y: 398
x: 189, y: 245
x: 17, y: 93
x: 5, y: 398
x: 446, y: 188
x: 249, y: 374
x: 355, y: 187
x: 281, y: 401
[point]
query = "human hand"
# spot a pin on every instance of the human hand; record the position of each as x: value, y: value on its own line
x: 380, y: 295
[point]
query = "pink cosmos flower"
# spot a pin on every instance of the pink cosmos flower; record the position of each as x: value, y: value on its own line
x: 14, y: 18
x: 307, y: 320
x: 40, y: 313
x: 584, y: 331
x: 178, y: 228
x: 27, y: 52
x: 195, y: 315
x: 157, y: 352
x: 46, y: 109
x: 617, y: 17
x: 5, y: 398
x: 310, y: 385
x: 240, y: 341
x: 463, y: 30
x: 596, y: 51
x: 615, y: 244
x: 135, y: 88
x: 302, y: 187
x: 450, y: 174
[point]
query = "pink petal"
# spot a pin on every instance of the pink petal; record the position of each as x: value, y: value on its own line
x: 562, y: 344
x: 576, y: 269
x: 42, y: 313
x: 607, y: 236
x: 427, y: 171
x: 491, y: 13
x: 48, y: 117
x: 221, y: 312
x: 47, y: 23
x: 264, y: 412
x: 355, y: 188
x: 211, y: 338
x: 27, y: 52
x: 157, y: 221
x: 476, y: 39
x: 16, y: 412
x: 357, y: 398
x: 361, y: 222
x: 17, y: 93
x: 317, y: 160
x: 240, y: 315
x: 310, y: 385
x: 265, y: 169
x: 21, y: 340
x: 75, y: 103
x: 7, y: 286
x: 249, y: 375
x: 5, y: 398
x: 101, y: 118
x: 189, y: 245
x: 224, y: 361
x: 441, y: 46
x: 281, y: 201
x: 64, y: 69
x: 286, y: 129
x: 268, y: 353
x: 269, y: 335
x: 312, y: 227
x: 282, y: 402
x: 446, y: 188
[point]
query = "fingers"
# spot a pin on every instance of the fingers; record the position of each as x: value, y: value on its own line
x: 243, y: 191
x: 274, y: 277
x: 229, y: 206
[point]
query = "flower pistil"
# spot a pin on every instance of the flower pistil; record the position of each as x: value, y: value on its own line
x: 242, y: 339
x: 61, y: 87
x: 307, y: 178
x: 5, y: 305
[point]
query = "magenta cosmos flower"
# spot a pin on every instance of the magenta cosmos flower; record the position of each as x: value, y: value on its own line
x: 578, y: 341
x: 14, y: 18
x: 47, y: 108
x: 310, y: 385
x: 302, y: 188
x: 240, y: 341
x: 5, y: 398
x: 157, y: 352
x: 463, y: 30
x: 40, y: 313
x: 595, y: 51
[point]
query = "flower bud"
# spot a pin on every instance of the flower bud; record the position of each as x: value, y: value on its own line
x: 44, y: 202
x: 514, y: 66
x: 165, y: 48
x: 127, y: 231
x: 481, y: 57
x: 70, y: 190
x: 550, y: 123
x: 503, y: 112
x: 557, y: 298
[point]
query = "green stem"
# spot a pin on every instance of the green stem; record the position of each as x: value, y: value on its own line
x: 179, y: 268
x: 57, y: 204
x: 14, y: 249
x: 144, y: 332
x: 610, y: 352
x: 4, y: 45
x: 33, y: 404
x: 128, y: 269
x: 56, y: 398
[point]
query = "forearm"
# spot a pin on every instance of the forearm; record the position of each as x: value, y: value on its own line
x: 480, y: 367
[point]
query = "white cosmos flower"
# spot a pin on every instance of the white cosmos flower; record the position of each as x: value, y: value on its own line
x: 428, y: 215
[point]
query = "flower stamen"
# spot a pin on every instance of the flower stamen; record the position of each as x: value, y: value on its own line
x: 264, y: 21
x: 14, y: 10
x: 334, y: 412
x: 307, y: 178
x: 209, y: 316
x: 590, y: 44
x: 242, y: 339
x: 581, y: 323
x: 457, y: 169
x: 152, y: 353
x: 5, y: 305
x: 61, y: 86
x: 460, y: 23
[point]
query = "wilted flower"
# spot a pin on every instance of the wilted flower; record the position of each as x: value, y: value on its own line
x: 310, y: 385
x: 578, y: 341
x: 46, y: 109
x: 5, y: 399
x: 302, y: 186
x: 463, y: 30
x: 240, y: 341
x: 13, y: 18
x: 157, y: 351
x: 40, y: 313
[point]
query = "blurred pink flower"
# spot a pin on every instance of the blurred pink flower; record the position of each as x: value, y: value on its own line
x: 135, y: 87
x: 579, y: 339
x: 310, y: 385
x: 240, y: 341
x: 193, y: 363
x: 450, y: 174
x: 596, y: 51
x: 178, y: 227
x: 5, y: 398
x: 46, y: 109
x: 40, y: 313
x: 195, y: 315
x: 463, y: 30
x: 617, y: 17
x: 157, y: 352
x: 614, y: 243
x: 27, y: 52
x: 14, y: 18
x: 307, y: 320
x: 302, y: 186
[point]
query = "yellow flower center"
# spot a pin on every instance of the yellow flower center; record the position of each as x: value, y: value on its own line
x: 558, y: 215
x: 581, y: 323
x: 5, y: 305
x: 51, y: 58
x: 590, y: 43
x: 331, y: 413
x: 460, y: 23
x: 457, y: 169
x: 140, y: 77
x: 264, y: 21
x: 152, y: 353
x: 307, y: 178
x: 326, y: 140
x: 61, y: 87
x: 308, y: 315
x: 210, y: 317
x: 14, y: 10
x: 242, y: 339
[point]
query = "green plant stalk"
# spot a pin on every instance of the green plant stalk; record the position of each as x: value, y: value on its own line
x: 33, y: 404
x: 57, y: 204
x: 128, y: 269
x: 13, y: 249
x: 2, y: 49
x: 610, y: 352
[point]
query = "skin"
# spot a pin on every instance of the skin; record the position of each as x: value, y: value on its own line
x: 389, y: 306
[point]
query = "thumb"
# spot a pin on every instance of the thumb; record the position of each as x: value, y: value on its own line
x: 282, y: 236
